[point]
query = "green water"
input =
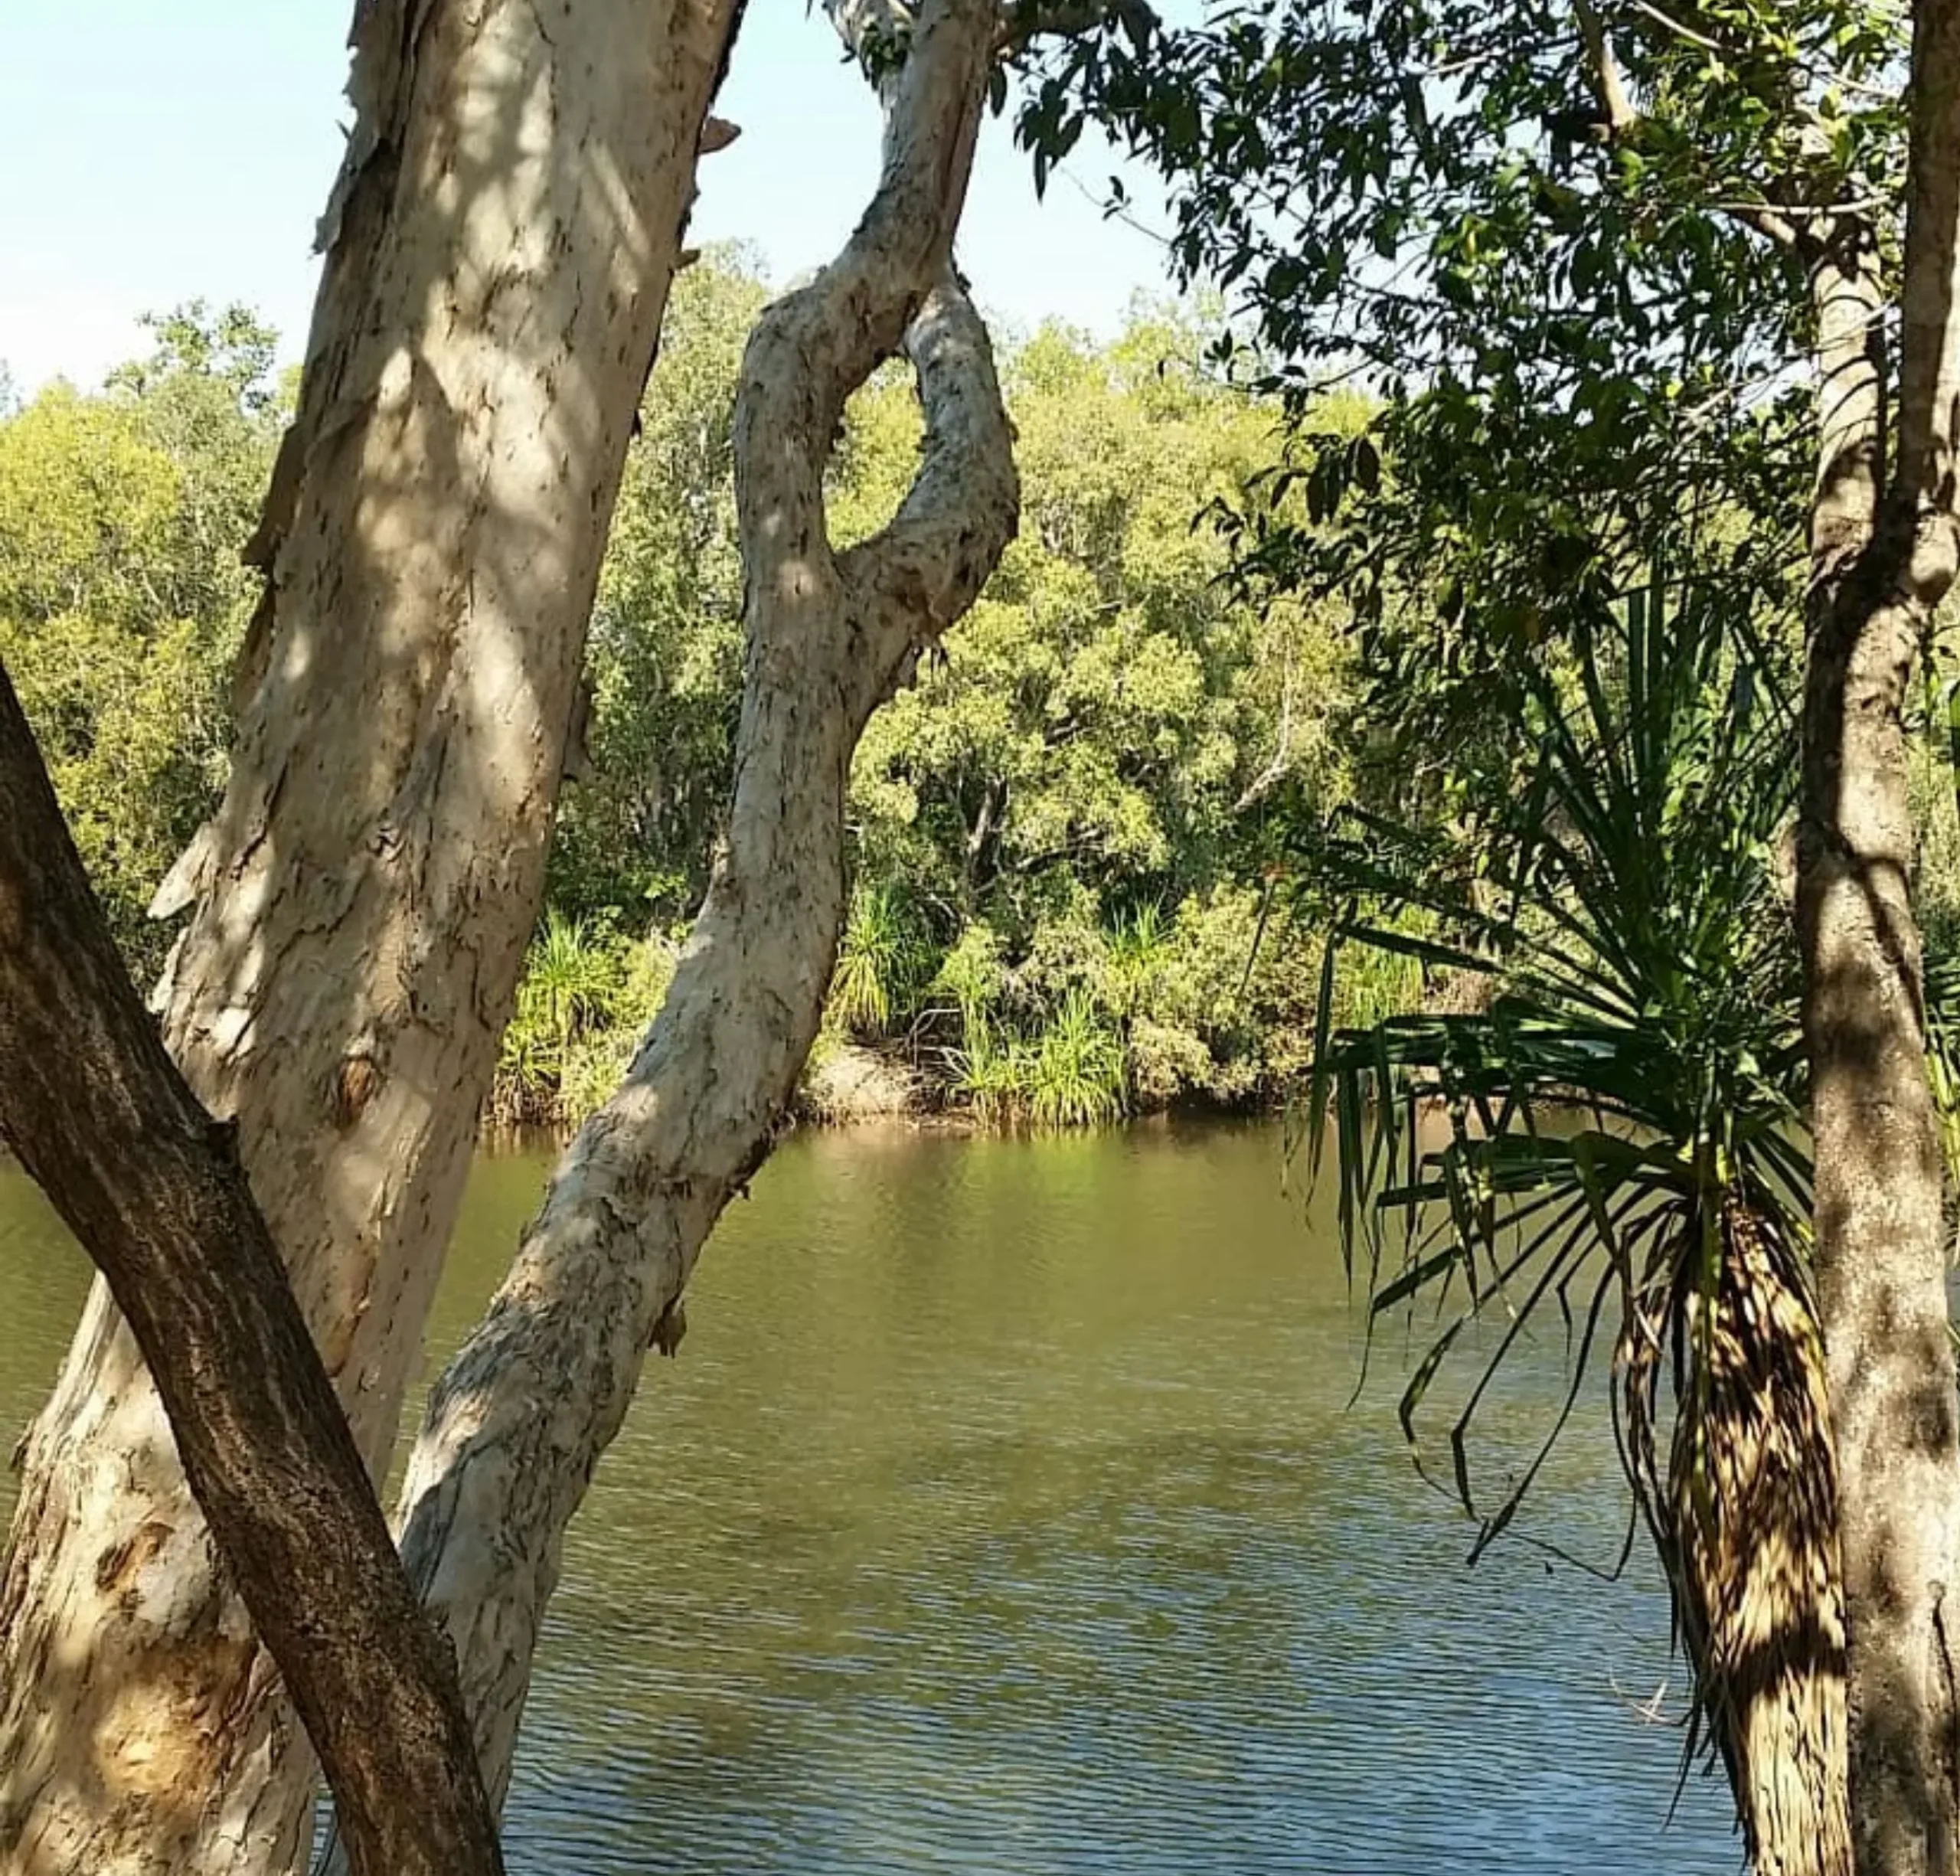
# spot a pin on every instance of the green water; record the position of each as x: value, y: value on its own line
x: 1005, y: 1511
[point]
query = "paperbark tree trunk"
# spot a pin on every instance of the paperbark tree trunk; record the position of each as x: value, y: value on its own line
x: 153, y: 1188
x: 498, y: 250
x: 1884, y: 555
x: 516, y: 1425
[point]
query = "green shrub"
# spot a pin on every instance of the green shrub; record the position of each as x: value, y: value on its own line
x: 881, y: 962
x: 1074, y: 1075
x: 986, y: 1075
x: 585, y: 1001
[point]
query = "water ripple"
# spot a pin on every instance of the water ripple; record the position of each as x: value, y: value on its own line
x: 1004, y: 1512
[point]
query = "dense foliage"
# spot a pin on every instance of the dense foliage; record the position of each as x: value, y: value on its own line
x: 1060, y: 912
x: 1568, y: 250
x: 122, y: 600
x: 1063, y: 909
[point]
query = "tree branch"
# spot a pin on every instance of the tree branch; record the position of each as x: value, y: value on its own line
x: 1679, y: 29
x: 153, y: 1188
x: 925, y: 568
x: 1620, y: 116
x: 1763, y: 218
x: 1926, y: 486
x: 1782, y: 226
x: 516, y: 1424
x: 1024, y: 21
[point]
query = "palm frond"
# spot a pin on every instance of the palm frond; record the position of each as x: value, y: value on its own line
x: 1625, y: 1113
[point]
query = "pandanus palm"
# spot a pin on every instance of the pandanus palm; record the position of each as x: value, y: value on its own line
x: 1618, y: 1137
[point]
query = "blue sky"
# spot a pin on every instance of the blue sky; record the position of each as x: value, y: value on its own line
x: 152, y: 153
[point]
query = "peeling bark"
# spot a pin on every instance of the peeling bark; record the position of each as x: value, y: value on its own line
x: 1745, y: 1520
x: 515, y: 1426
x: 1883, y: 562
x: 498, y: 250
x: 152, y: 1189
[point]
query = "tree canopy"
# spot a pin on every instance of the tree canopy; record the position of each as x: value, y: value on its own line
x: 122, y: 598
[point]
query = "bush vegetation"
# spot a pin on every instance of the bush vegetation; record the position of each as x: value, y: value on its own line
x: 1062, y: 912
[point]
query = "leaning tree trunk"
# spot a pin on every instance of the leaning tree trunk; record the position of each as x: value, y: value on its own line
x: 498, y: 250
x: 152, y: 1189
x: 1883, y: 563
x: 515, y: 1426
x: 1746, y: 1525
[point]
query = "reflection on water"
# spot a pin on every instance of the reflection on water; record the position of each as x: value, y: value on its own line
x: 1005, y: 1512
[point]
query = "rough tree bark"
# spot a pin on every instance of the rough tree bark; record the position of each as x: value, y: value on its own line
x: 153, y: 1188
x: 1884, y: 553
x: 498, y: 250
x: 516, y: 1425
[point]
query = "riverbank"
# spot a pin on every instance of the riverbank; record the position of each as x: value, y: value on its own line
x: 845, y: 1085
x: 1088, y: 1063
x: 848, y: 1086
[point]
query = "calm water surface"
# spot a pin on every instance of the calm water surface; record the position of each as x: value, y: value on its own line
x: 1005, y: 1511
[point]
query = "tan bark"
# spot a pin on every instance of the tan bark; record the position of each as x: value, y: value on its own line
x: 498, y: 250
x: 516, y: 1425
x: 1882, y: 565
x: 1746, y: 1522
x: 153, y: 1191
